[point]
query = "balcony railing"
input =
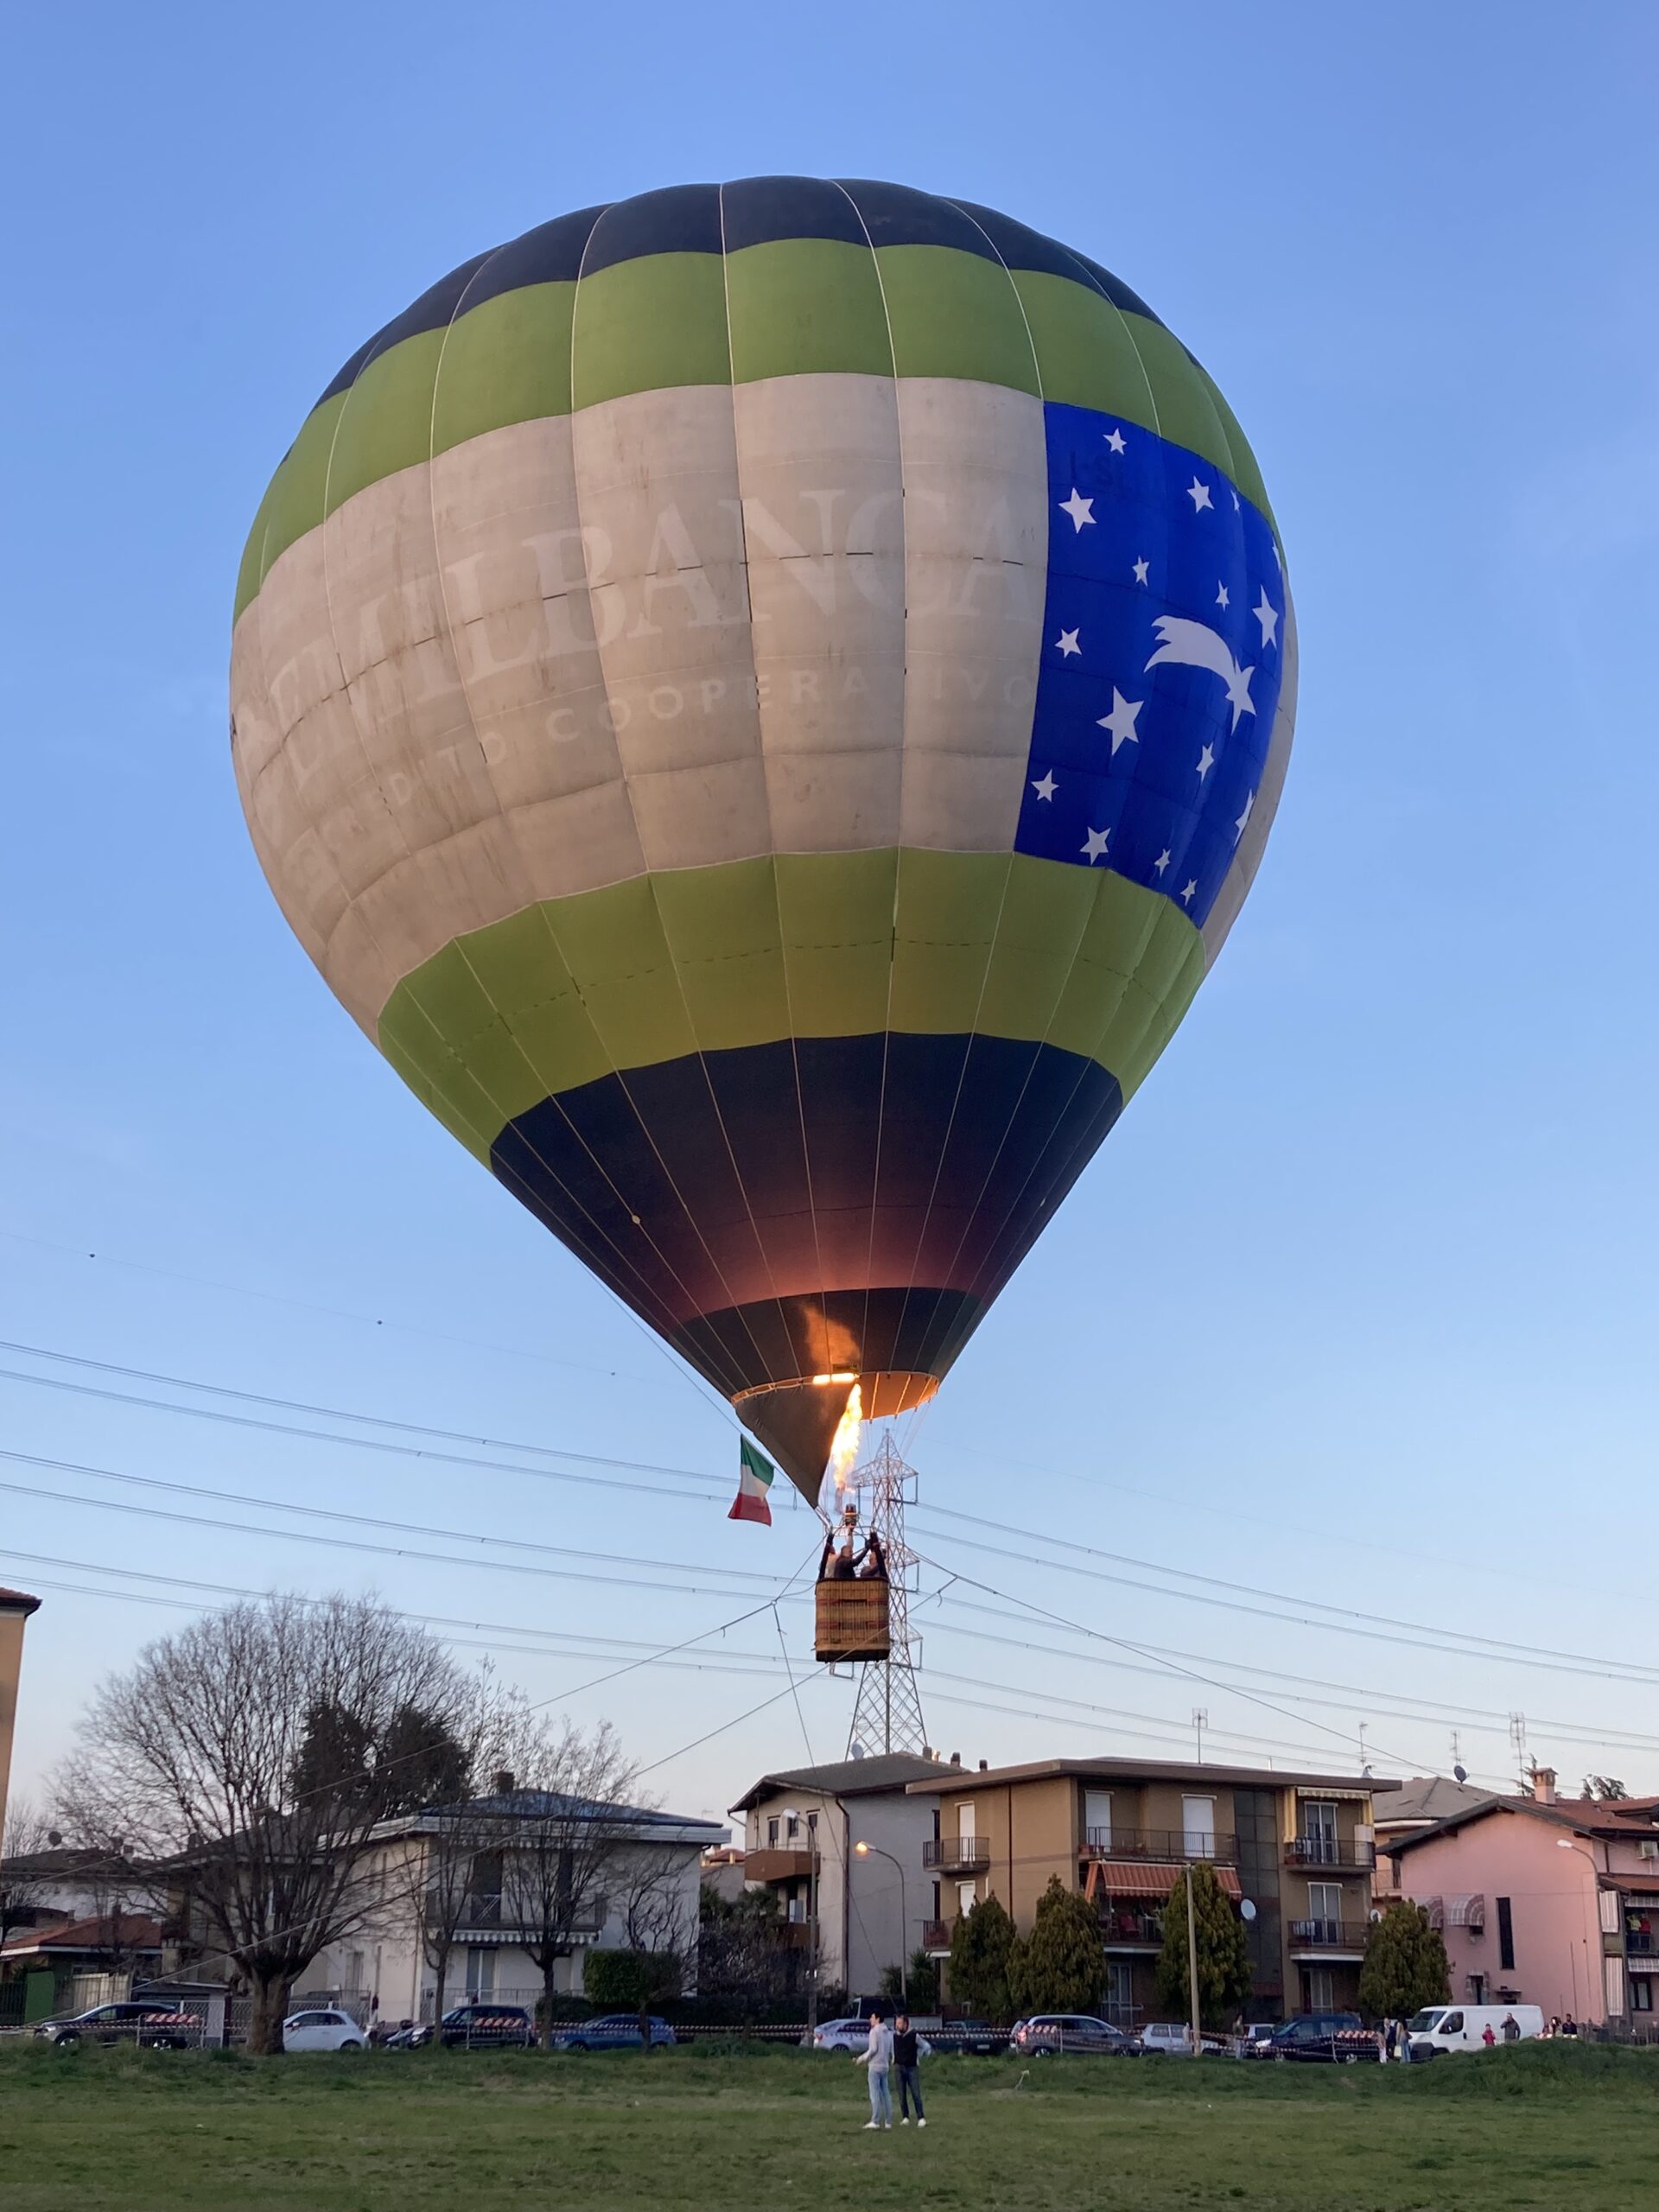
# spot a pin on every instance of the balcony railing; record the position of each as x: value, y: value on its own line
x: 1131, y: 1931
x: 1329, y: 1935
x: 957, y: 1854
x: 1330, y: 1851
x: 777, y: 1862
x: 937, y: 1933
x: 1169, y: 1843
x: 1641, y: 1945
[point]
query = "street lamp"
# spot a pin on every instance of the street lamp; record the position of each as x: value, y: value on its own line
x: 1572, y: 1843
x: 866, y: 1850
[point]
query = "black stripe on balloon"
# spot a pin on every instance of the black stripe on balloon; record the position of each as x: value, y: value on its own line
x: 434, y: 310
x: 757, y: 210
x: 894, y: 214
x: 681, y: 218
x: 757, y: 1255
x: 1021, y: 247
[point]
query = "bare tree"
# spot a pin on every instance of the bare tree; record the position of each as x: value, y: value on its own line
x: 213, y: 1754
x: 96, y: 1834
x: 24, y: 1885
x: 562, y: 1822
x: 660, y: 1924
x: 450, y: 1869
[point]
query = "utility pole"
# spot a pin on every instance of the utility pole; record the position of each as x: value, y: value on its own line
x: 1193, y: 1967
x: 812, y: 1937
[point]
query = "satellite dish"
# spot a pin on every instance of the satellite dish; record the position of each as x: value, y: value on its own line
x: 54, y: 1836
x: 1247, y: 1910
x: 1461, y: 1772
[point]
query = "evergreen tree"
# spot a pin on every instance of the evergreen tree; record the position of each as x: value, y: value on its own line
x: 1061, y: 1966
x: 1405, y: 1964
x: 979, y: 1944
x: 1224, y: 1952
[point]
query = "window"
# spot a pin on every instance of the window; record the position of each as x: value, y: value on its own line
x: 1120, y: 1990
x: 1505, y: 1935
x: 968, y: 1897
x: 1451, y: 2025
x: 771, y: 1831
x: 792, y: 1828
x: 1319, y: 1986
x: 812, y: 1824
x: 1318, y: 1836
x: 1640, y: 1993
x: 1614, y: 1969
x: 1199, y: 1827
x: 1097, y: 1818
x: 965, y: 1820
x: 480, y: 1973
x: 1324, y: 1910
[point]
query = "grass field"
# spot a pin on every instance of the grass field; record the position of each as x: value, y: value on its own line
x: 694, y: 2130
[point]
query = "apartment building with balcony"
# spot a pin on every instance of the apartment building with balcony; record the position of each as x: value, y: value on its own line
x: 1546, y: 1900
x: 1300, y: 1847
x: 850, y: 1913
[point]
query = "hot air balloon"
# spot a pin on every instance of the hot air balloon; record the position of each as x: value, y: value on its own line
x: 764, y: 701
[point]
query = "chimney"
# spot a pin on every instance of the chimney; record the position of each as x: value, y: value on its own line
x: 984, y: 1766
x: 955, y: 1758
x: 501, y: 1781
x: 1543, y: 1785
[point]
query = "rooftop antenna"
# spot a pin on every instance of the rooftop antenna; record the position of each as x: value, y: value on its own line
x: 1459, y: 1770
x: 1200, y: 1722
x: 888, y: 1711
x: 1364, y: 1757
x: 1518, y: 1745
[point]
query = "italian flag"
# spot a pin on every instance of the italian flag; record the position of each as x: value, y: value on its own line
x: 754, y: 1474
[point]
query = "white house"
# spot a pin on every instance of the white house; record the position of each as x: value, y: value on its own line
x: 485, y: 1884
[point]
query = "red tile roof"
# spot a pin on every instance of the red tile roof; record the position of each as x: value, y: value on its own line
x: 128, y: 1931
x: 17, y: 1601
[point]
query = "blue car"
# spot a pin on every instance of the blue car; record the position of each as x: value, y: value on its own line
x: 613, y: 2032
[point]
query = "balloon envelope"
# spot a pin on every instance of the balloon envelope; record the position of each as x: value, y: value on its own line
x: 764, y: 701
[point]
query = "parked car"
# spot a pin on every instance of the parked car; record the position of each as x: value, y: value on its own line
x: 1320, y: 2037
x: 155, y: 2027
x: 324, y: 2028
x: 1463, y: 2027
x: 1046, y: 2034
x: 612, y: 2031
x: 970, y: 2039
x: 473, y: 2027
x: 1173, y: 2039
x: 851, y: 2034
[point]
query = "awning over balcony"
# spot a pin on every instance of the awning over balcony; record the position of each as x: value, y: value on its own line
x: 1147, y: 1878
x: 1466, y: 1912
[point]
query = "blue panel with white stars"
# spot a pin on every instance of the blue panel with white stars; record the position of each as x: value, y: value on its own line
x: 1160, y: 667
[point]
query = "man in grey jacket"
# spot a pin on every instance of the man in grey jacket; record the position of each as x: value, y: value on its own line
x: 877, y: 2056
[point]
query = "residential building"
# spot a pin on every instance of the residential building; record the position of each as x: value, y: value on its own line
x: 867, y: 1910
x: 489, y: 1874
x: 1419, y: 1803
x: 1545, y: 1900
x: 15, y: 1606
x: 1299, y: 1847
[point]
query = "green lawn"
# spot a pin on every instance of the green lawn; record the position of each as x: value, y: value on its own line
x: 686, y: 2130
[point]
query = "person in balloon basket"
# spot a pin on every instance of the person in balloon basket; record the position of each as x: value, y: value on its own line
x: 877, y: 2056
x: 906, y: 2059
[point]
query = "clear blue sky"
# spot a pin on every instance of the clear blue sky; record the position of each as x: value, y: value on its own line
x: 1357, y: 1302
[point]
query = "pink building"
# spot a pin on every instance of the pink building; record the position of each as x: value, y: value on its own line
x: 1545, y: 1901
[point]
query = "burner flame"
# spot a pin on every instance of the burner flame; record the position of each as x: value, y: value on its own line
x: 848, y: 1431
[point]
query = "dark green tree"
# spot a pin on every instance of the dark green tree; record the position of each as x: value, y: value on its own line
x: 1405, y: 1964
x: 978, y: 1976
x: 1607, y: 1787
x: 922, y: 1979
x: 1061, y: 1966
x: 1223, y: 1954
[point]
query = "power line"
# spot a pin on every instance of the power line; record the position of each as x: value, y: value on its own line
x: 1344, y: 1622
x: 320, y: 1413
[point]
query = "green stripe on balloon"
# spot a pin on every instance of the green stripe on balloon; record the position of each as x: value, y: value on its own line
x: 797, y: 307
x: 755, y: 951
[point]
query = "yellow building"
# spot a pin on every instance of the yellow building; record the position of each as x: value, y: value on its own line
x: 1300, y: 1847
x: 14, y: 1608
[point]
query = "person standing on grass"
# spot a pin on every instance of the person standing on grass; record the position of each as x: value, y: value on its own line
x: 907, y: 2058
x: 877, y: 2056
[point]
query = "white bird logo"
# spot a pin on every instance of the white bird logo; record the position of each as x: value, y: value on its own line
x: 1195, y: 645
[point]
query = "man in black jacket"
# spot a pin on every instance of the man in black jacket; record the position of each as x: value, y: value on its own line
x: 906, y: 2064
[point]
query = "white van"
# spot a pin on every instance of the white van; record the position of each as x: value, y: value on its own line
x: 1463, y: 2027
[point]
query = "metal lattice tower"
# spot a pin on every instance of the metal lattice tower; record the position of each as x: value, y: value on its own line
x: 888, y: 1711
